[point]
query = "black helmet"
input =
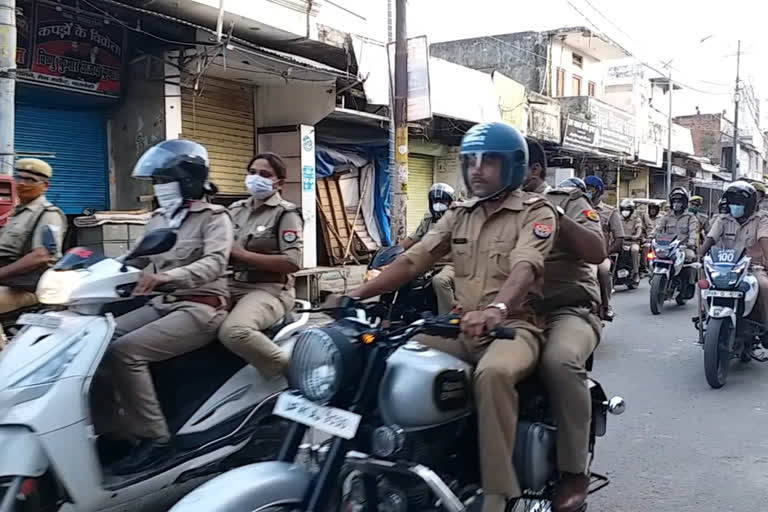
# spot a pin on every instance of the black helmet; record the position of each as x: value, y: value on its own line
x: 176, y: 160
x: 627, y: 205
x: 440, y: 193
x: 573, y: 182
x: 681, y: 196
x: 654, y: 206
x: 743, y: 194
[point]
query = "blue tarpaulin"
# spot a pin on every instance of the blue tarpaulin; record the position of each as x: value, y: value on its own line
x: 373, y: 151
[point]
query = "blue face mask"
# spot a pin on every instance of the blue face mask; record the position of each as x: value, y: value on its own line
x: 737, y: 210
x: 590, y: 194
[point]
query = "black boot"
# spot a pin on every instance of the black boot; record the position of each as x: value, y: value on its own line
x: 148, y: 453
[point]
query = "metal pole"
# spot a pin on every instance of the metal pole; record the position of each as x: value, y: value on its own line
x: 7, y: 83
x: 400, y: 180
x: 736, y: 101
x: 669, y: 138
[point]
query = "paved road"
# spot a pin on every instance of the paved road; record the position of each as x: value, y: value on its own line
x: 681, y: 446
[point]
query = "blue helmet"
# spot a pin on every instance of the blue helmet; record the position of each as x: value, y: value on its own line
x: 594, y: 182
x: 498, y: 140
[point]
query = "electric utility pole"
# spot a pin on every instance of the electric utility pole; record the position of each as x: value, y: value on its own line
x: 399, y: 181
x: 736, y: 101
x: 7, y: 83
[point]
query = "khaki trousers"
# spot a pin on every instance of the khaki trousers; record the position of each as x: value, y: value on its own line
x: 570, y: 337
x: 12, y: 299
x: 443, y: 285
x: 155, y: 332
x: 241, y: 331
x: 634, y: 250
x: 762, y: 297
x: 501, y: 365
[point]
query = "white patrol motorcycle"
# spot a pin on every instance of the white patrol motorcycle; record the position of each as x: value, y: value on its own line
x: 732, y: 328
x: 51, y: 457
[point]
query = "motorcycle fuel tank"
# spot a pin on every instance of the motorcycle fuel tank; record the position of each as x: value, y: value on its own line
x: 423, y: 387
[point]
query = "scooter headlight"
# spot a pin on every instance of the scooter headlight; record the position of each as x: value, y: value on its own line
x: 56, y: 286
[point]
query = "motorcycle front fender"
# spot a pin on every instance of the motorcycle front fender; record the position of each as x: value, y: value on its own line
x: 249, y: 489
x: 21, y: 453
x: 661, y: 270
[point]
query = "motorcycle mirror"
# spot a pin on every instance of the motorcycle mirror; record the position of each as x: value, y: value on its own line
x: 617, y: 406
x: 156, y: 241
x: 49, y: 238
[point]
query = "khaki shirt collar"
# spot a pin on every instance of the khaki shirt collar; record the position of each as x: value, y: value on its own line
x: 513, y: 201
x: 32, y: 204
x: 272, y: 200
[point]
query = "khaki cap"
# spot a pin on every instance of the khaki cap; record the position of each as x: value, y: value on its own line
x: 35, y: 166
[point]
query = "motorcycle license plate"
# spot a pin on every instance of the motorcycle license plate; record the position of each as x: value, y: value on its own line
x: 723, y: 293
x: 38, y: 320
x: 622, y: 273
x: 333, y: 421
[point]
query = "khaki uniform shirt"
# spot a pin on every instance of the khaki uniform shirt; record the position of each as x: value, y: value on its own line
x: 649, y: 224
x: 273, y: 226
x: 685, y: 226
x: 610, y: 222
x: 424, y: 226
x: 24, y: 230
x: 632, y: 226
x: 569, y: 280
x: 197, y: 264
x: 728, y: 233
x: 484, y: 248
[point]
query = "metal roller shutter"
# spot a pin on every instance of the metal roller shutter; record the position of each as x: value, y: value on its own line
x: 78, y: 139
x: 420, y: 172
x: 221, y: 118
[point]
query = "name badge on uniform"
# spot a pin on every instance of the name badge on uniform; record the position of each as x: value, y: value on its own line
x: 459, y: 241
x: 289, y: 236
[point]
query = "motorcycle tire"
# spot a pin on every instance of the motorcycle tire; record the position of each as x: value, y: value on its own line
x: 717, y: 355
x: 680, y: 301
x: 658, y: 290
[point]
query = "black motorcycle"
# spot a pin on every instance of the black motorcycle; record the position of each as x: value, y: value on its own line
x: 622, y: 268
x: 402, y: 425
x: 409, y: 302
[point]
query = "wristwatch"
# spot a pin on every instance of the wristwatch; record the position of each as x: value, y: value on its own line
x: 501, y: 307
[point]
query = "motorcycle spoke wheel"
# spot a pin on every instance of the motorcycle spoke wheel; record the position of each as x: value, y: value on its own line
x: 527, y: 505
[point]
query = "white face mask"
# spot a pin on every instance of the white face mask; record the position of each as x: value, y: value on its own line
x: 259, y: 187
x: 169, y: 197
x: 440, y: 207
x: 626, y: 213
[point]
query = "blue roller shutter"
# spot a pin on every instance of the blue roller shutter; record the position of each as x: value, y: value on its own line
x: 78, y: 138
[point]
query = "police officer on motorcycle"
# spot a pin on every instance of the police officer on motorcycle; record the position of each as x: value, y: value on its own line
x: 23, y: 256
x: 441, y: 197
x: 170, y: 325
x: 569, y: 307
x: 498, y: 241
x: 613, y: 233
x: 683, y: 224
x: 697, y: 202
x: 743, y: 227
x: 633, y: 233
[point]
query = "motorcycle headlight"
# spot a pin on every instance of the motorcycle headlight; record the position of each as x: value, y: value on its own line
x: 55, y: 287
x: 322, y: 363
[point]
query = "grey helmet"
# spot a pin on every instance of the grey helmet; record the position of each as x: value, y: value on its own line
x: 440, y: 193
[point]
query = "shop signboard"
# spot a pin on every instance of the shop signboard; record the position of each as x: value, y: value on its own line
x: 579, y: 133
x: 74, y: 50
x: 23, y: 35
x: 543, y: 118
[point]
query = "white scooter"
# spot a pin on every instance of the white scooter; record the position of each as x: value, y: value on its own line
x: 51, y: 456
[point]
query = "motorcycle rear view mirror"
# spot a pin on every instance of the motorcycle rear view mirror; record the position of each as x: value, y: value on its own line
x: 154, y: 242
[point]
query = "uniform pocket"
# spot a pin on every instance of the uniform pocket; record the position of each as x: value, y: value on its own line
x: 462, y: 259
x: 188, y: 250
x: 499, y: 259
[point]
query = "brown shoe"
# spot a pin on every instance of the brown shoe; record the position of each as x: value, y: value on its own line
x: 571, y: 493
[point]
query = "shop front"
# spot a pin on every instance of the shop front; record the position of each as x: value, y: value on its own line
x: 69, y: 76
